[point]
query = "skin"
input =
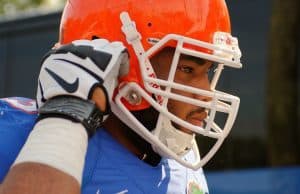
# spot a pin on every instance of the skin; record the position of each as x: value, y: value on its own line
x: 35, y: 178
x: 29, y: 178
x: 191, y: 72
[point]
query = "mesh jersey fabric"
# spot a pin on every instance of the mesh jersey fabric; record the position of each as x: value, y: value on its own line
x: 109, y: 167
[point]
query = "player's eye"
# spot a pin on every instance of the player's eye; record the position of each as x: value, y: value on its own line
x: 185, y: 69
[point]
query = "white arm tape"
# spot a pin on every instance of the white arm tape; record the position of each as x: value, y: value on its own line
x: 58, y: 143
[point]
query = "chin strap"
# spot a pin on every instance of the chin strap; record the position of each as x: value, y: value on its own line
x: 176, y: 140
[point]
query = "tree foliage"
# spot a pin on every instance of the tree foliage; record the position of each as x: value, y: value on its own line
x: 13, y: 6
x: 9, y: 7
x: 284, y: 135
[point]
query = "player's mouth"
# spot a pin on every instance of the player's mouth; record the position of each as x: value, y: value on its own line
x: 197, y: 117
x: 196, y: 122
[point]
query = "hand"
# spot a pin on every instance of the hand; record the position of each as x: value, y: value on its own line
x: 78, y: 68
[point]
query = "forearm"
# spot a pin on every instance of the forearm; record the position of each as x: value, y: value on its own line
x: 35, y: 178
x: 51, y: 161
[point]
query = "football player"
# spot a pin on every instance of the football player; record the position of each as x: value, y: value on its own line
x: 121, y: 99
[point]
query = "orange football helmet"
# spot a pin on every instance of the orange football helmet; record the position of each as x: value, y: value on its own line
x: 200, y: 28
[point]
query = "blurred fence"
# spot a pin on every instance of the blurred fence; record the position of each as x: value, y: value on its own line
x: 23, y: 42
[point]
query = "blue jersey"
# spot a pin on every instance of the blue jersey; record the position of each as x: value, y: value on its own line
x: 109, y: 167
x: 17, y: 116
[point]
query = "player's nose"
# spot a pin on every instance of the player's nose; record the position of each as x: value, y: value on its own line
x: 203, y: 84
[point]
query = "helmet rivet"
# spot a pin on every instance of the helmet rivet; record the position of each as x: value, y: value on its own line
x: 133, y: 98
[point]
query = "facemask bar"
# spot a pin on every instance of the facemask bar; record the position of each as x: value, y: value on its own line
x: 215, y: 105
x: 222, y: 54
x: 119, y: 109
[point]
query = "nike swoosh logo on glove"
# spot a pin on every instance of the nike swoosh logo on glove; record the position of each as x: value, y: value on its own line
x: 69, y: 87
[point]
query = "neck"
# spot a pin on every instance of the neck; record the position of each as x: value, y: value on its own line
x: 130, y: 140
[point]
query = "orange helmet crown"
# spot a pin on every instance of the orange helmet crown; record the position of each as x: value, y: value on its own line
x: 154, y: 19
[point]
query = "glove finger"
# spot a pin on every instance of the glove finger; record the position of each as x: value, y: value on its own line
x: 117, y: 44
x: 81, y: 42
x: 99, y: 43
x: 124, y: 63
x: 116, y: 48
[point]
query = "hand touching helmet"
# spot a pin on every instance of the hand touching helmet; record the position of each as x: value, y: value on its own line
x: 74, y: 70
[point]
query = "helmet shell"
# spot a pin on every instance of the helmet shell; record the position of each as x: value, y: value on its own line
x: 197, y: 19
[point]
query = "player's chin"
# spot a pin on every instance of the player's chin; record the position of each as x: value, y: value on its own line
x: 183, y: 129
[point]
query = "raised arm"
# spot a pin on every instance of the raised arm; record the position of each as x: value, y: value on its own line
x: 52, y: 159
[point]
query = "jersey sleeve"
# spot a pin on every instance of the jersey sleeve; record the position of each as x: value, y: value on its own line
x: 17, y: 117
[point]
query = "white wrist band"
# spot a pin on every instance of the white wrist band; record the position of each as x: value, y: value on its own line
x: 59, y: 143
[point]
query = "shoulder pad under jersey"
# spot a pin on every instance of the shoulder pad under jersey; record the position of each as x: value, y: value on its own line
x: 17, y: 118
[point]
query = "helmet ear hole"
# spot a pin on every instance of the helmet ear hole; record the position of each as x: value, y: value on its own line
x: 149, y: 24
x: 95, y: 37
